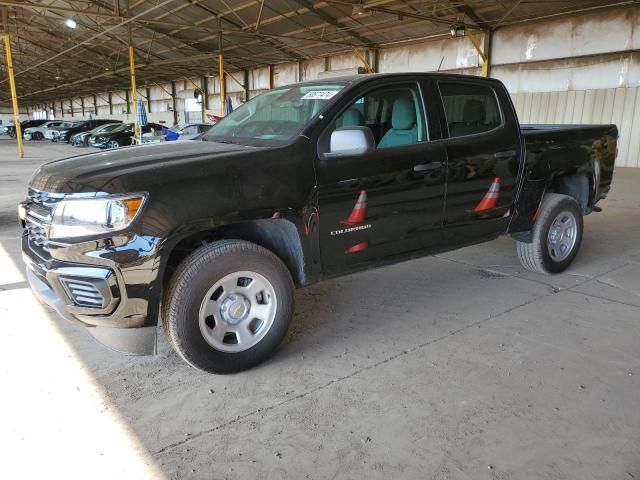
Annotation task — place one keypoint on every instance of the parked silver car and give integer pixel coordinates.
(37, 133)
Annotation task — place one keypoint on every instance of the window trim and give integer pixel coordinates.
(470, 82)
(409, 83)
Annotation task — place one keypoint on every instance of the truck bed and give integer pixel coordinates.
(566, 149)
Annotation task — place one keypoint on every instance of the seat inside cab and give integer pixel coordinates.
(473, 120)
(390, 114)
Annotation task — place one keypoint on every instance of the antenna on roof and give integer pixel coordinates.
(440, 66)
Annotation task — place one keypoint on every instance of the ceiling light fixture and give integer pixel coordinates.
(71, 23)
(458, 30)
(358, 9)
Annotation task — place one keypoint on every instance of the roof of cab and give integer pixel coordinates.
(355, 79)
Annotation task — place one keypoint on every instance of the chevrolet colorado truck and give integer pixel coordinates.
(302, 183)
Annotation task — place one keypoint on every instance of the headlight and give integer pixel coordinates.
(81, 217)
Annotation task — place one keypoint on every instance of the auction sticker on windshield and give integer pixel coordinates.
(319, 94)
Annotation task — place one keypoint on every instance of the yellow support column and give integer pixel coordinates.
(222, 86)
(14, 96)
(223, 93)
(132, 71)
(134, 94)
(368, 67)
(244, 88)
(481, 53)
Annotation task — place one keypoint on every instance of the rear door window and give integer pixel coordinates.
(470, 109)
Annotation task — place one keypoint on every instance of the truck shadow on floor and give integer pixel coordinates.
(340, 327)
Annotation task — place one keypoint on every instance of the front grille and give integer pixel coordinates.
(82, 293)
(39, 213)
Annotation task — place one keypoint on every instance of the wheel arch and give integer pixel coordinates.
(579, 185)
(280, 236)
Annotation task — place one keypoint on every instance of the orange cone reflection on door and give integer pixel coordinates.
(358, 247)
(359, 212)
(358, 215)
(490, 199)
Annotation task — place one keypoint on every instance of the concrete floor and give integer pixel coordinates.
(460, 366)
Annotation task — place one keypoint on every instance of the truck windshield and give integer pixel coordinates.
(273, 118)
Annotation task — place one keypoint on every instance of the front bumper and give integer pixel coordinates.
(93, 295)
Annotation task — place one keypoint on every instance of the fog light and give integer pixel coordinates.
(83, 293)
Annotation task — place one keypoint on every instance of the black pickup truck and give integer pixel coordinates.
(302, 183)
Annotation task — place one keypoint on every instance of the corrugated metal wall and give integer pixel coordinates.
(613, 105)
(579, 69)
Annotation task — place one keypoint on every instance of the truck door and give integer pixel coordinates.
(483, 158)
(387, 202)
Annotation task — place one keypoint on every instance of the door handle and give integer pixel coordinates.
(352, 182)
(504, 154)
(425, 167)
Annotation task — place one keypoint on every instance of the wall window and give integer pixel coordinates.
(470, 109)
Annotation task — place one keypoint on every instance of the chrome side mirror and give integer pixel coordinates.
(350, 141)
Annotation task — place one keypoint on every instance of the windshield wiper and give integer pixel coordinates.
(217, 141)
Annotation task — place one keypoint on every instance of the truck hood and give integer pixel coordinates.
(98, 171)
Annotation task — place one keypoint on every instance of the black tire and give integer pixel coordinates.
(37, 136)
(536, 256)
(191, 284)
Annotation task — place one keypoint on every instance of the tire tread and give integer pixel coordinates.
(181, 281)
(531, 255)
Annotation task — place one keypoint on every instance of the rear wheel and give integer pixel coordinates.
(228, 306)
(113, 144)
(556, 236)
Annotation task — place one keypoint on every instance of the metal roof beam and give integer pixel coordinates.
(364, 42)
(52, 8)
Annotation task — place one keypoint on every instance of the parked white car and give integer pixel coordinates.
(52, 132)
(190, 131)
(38, 133)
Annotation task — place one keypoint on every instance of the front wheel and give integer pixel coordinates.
(557, 235)
(228, 306)
(113, 144)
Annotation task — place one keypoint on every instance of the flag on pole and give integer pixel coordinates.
(141, 120)
(142, 114)
(228, 106)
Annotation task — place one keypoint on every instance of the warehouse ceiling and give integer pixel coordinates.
(174, 39)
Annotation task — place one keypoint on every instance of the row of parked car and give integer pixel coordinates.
(104, 133)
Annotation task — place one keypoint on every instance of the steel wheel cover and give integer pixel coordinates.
(237, 311)
(562, 236)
